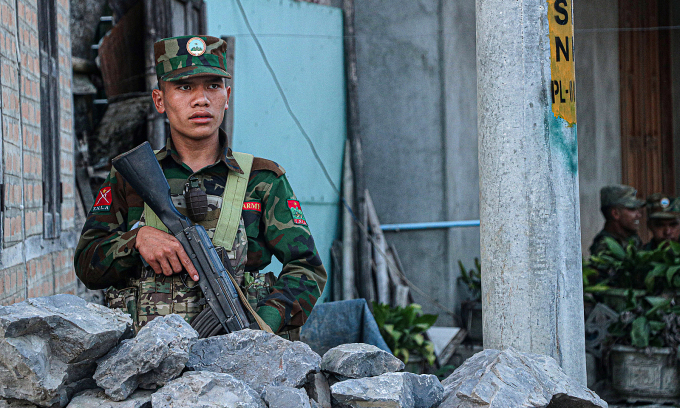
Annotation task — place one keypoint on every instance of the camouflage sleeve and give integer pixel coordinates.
(106, 250)
(303, 277)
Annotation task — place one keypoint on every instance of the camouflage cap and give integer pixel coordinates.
(620, 195)
(659, 207)
(181, 57)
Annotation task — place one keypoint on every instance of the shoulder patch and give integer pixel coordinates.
(103, 200)
(264, 164)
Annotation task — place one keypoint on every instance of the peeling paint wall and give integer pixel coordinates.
(417, 106)
(598, 108)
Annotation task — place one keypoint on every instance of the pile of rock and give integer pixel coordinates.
(61, 351)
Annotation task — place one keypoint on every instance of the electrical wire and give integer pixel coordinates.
(363, 228)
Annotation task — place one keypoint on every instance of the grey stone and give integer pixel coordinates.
(256, 357)
(277, 396)
(357, 360)
(392, 390)
(16, 404)
(427, 390)
(49, 346)
(157, 355)
(319, 390)
(97, 398)
(206, 389)
(499, 379)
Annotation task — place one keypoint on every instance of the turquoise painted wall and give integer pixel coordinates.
(304, 45)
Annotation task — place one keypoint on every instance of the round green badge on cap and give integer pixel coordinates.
(196, 46)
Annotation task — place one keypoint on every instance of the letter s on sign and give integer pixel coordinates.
(559, 7)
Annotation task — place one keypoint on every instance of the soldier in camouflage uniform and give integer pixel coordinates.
(120, 231)
(622, 212)
(662, 220)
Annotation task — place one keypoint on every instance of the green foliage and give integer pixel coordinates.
(472, 279)
(403, 328)
(645, 297)
(626, 267)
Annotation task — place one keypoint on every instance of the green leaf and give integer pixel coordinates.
(419, 339)
(639, 333)
(659, 270)
(428, 319)
(670, 273)
(656, 326)
(657, 303)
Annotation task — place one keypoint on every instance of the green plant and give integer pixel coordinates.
(648, 321)
(625, 267)
(472, 279)
(403, 328)
(645, 292)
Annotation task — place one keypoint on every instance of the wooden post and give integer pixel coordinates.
(348, 241)
(379, 253)
(366, 289)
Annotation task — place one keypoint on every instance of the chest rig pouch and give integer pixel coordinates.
(160, 295)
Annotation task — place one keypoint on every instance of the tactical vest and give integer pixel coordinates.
(151, 295)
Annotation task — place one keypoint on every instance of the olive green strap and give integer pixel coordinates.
(232, 202)
(152, 220)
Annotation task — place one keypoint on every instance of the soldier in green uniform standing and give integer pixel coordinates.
(622, 212)
(662, 220)
(246, 204)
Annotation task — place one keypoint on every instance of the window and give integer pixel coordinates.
(49, 113)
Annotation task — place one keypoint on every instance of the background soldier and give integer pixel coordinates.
(662, 220)
(203, 175)
(622, 212)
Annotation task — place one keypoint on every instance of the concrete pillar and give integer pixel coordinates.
(529, 203)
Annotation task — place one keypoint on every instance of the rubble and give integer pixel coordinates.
(256, 357)
(404, 390)
(389, 390)
(206, 389)
(319, 390)
(97, 398)
(277, 396)
(499, 379)
(49, 346)
(357, 360)
(54, 347)
(16, 404)
(157, 355)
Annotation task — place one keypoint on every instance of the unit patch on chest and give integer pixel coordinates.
(103, 201)
(296, 211)
(252, 206)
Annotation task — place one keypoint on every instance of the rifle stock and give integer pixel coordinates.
(140, 168)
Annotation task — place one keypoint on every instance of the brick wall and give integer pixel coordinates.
(30, 265)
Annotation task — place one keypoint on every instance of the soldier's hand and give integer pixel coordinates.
(163, 252)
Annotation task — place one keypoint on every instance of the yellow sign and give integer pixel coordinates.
(563, 84)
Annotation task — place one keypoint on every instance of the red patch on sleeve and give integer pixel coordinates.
(252, 206)
(103, 201)
(296, 211)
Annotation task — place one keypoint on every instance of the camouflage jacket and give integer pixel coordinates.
(599, 245)
(106, 254)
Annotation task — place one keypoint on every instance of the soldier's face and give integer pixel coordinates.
(628, 218)
(663, 229)
(195, 106)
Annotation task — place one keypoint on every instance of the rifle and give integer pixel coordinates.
(141, 169)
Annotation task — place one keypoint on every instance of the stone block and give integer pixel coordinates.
(277, 396)
(256, 357)
(49, 346)
(97, 398)
(357, 360)
(511, 379)
(206, 389)
(157, 355)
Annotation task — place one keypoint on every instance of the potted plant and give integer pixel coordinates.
(403, 329)
(645, 339)
(472, 308)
